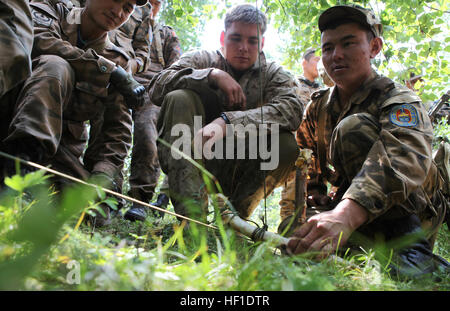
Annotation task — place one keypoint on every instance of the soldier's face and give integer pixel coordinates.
(240, 45)
(110, 14)
(346, 54)
(310, 65)
(156, 6)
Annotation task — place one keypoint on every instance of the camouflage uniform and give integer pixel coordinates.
(380, 148)
(287, 203)
(145, 169)
(16, 36)
(184, 91)
(69, 85)
(135, 36)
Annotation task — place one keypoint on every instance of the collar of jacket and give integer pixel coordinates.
(312, 84)
(373, 82)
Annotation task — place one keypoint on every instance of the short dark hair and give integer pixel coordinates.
(309, 53)
(335, 24)
(246, 13)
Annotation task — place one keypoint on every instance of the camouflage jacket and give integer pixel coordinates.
(280, 102)
(92, 65)
(56, 33)
(305, 88)
(16, 36)
(135, 36)
(398, 169)
(165, 49)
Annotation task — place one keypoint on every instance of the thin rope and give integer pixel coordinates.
(125, 197)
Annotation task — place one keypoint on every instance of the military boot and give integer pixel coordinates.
(136, 212)
(162, 201)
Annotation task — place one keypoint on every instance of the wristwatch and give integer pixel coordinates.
(225, 118)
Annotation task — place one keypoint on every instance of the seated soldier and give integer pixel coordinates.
(235, 85)
(377, 136)
(77, 76)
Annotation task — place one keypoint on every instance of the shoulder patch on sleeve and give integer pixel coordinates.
(404, 115)
(41, 19)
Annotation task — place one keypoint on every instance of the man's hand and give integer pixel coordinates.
(206, 137)
(232, 90)
(133, 92)
(322, 232)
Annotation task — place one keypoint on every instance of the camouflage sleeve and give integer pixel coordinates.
(16, 36)
(399, 161)
(191, 71)
(88, 65)
(281, 104)
(142, 40)
(303, 91)
(171, 46)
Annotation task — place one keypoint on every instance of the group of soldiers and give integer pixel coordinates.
(81, 82)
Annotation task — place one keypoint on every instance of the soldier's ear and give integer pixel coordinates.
(222, 38)
(262, 43)
(375, 46)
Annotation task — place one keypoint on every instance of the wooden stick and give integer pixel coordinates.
(247, 229)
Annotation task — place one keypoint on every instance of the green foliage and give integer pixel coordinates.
(188, 18)
(415, 33)
(161, 254)
(415, 36)
(441, 132)
(30, 225)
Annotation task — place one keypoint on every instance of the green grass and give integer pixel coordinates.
(43, 248)
(159, 255)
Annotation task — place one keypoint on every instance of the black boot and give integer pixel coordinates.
(162, 202)
(414, 259)
(136, 212)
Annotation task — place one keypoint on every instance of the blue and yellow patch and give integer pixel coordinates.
(404, 115)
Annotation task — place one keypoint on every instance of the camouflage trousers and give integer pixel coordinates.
(50, 112)
(242, 180)
(145, 168)
(351, 141)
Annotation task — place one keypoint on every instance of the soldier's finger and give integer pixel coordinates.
(292, 246)
(303, 230)
(243, 100)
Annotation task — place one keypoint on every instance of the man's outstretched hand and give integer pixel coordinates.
(325, 232)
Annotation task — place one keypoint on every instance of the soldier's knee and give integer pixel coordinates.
(182, 99)
(55, 67)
